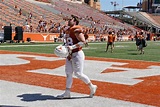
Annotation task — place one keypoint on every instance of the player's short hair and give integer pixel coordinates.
(109, 32)
(76, 19)
(141, 33)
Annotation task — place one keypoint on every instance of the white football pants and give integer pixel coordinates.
(75, 65)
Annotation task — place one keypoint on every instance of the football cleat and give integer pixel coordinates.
(64, 96)
(93, 89)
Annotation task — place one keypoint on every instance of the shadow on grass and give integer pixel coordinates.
(133, 53)
(132, 50)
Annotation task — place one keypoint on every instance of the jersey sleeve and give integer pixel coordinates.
(78, 30)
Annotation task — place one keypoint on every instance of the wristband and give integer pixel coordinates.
(79, 44)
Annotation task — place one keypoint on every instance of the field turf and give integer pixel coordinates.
(122, 50)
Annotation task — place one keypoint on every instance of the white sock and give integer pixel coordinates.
(90, 85)
(67, 90)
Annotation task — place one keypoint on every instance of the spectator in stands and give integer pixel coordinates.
(148, 36)
(20, 12)
(119, 35)
(39, 26)
(27, 26)
(2, 27)
(58, 27)
(97, 35)
(31, 28)
(85, 32)
(30, 17)
(45, 26)
(52, 26)
(93, 24)
(42, 26)
(62, 32)
(15, 6)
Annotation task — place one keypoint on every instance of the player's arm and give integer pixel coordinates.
(80, 36)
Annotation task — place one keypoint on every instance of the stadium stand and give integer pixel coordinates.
(143, 17)
(43, 15)
(10, 9)
(155, 18)
(89, 15)
(46, 1)
(68, 10)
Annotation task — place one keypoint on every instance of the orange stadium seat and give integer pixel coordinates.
(56, 11)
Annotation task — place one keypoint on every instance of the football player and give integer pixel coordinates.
(75, 60)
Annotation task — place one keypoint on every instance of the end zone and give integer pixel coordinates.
(128, 81)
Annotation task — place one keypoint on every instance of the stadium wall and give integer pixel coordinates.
(52, 37)
(38, 36)
(48, 37)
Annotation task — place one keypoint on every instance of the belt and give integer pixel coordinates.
(76, 50)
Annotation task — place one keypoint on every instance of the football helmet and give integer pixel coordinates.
(61, 51)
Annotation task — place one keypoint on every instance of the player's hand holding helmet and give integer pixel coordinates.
(61, 51)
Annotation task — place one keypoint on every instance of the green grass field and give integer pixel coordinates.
(122, 50)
